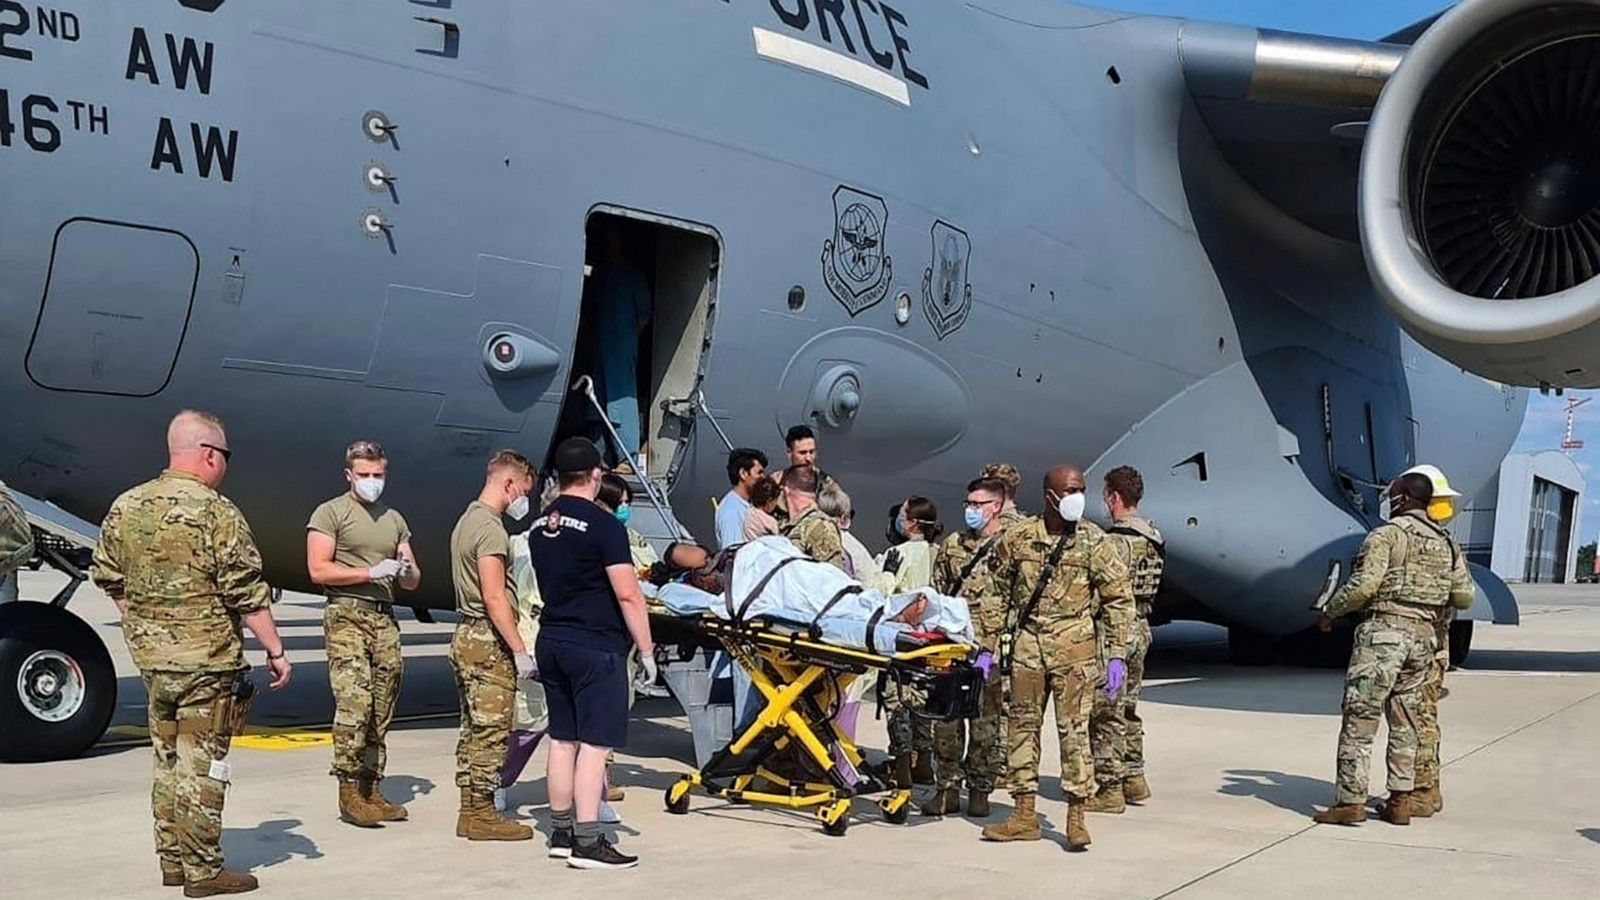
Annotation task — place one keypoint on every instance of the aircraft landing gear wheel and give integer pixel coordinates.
(1460, 641)
(835, 818)
(678, 797)
(1248, 647)
(58, 687)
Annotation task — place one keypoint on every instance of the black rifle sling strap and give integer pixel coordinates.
(1047, 573)
(972, 564)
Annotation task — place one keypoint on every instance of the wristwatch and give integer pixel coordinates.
(279, 656)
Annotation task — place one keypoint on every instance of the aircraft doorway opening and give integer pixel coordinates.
(648, 297)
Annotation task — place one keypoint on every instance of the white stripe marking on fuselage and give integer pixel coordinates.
(795, 52)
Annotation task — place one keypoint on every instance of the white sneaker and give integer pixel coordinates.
(608, 816)
(499, 799)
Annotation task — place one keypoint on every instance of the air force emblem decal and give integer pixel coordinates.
(946, 292)
(854, 265)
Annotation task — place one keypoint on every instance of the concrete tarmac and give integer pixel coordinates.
(1238, 760)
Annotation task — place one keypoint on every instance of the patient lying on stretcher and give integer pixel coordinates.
(769, 578)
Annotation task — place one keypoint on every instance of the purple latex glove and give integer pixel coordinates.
(985, 664)
(1116, 677)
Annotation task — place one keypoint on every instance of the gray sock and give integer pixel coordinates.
(561, 819)
(586, 834)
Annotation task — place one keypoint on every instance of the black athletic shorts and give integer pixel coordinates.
(585, 692)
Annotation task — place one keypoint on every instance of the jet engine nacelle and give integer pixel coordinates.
(1480, 190)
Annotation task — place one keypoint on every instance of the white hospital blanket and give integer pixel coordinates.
(799, 590)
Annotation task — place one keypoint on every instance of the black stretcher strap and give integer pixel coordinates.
(756, 591)
(872, 627)
(846, 591)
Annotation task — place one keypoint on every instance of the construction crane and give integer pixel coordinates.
(1568, 442)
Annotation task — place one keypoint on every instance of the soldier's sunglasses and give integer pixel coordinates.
(227, 455)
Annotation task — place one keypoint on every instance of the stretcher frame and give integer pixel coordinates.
(802, 683)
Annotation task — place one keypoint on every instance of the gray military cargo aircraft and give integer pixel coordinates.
(1261, 267)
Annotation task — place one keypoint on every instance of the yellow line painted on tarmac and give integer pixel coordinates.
(256, 737)
(282, 739)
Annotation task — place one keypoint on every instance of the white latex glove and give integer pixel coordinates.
(648, 670)
(389, 568)
(526, 669)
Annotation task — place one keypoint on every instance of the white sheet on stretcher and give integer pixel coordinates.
(799, 590)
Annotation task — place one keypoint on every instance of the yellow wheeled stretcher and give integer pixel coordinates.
(793, 756)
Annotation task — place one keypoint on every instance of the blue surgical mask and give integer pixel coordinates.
(976, 519)
(624, 513)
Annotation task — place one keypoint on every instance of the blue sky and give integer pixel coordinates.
(1369, 19)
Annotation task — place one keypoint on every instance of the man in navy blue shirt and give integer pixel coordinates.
(593, 611)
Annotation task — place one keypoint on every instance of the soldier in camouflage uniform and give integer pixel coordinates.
(1084, 608)
(487, 651)
(1427, 797)
(180, 562)
(963, 568)
(816, 535)
(1407, 571)
(1115, 729)
(359, 550)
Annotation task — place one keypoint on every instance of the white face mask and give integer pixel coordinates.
(1386, 508)
(1070, 506)
(518, 510)
(369, 489)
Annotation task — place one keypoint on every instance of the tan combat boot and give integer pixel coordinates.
(1077, 828)
(373, 794)
(1422, 802)
(356, 810)
(469, 805)
(1397, 809)
(943, 802)
(977, 804)
(1343, 814)
(224, 882)
(484, 824)
(1135, 789)
(922, 772)
(1108, 800)
(1021, 825)
(171, 875)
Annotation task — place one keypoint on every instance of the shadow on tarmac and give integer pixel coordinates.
(267, 845)
(1295, 793)
(403, 789)
(1533, 661)
(1592, 834)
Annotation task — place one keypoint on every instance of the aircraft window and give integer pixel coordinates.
(1114, 75)
(797, 298)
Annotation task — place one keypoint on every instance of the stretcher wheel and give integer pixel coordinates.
(678, 797)
(835, 818)
(896, 807)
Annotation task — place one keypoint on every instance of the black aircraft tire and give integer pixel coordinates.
(1248, 647)
(60, 706)
(1460, 641)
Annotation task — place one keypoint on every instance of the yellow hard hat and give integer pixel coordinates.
(1443, 507)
